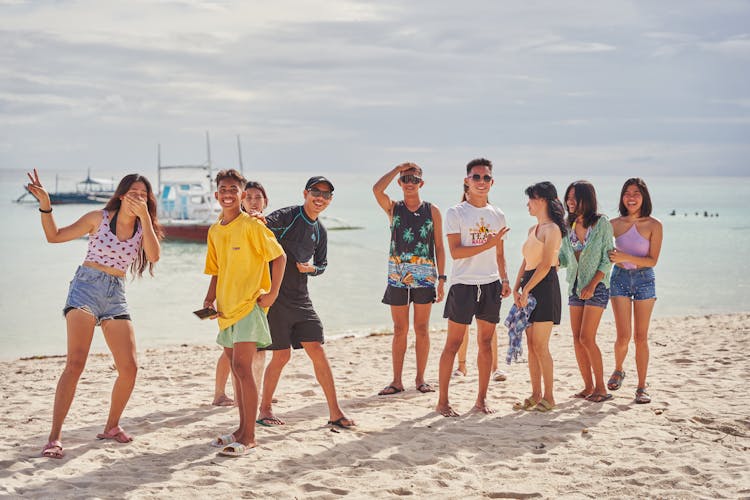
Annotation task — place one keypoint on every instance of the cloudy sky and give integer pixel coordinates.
(639, 87)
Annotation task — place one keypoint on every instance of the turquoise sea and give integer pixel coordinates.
(704, 266)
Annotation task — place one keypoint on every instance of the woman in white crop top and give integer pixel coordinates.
(124, 235)
(537, 277)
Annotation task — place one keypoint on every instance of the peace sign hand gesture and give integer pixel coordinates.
(35, 187)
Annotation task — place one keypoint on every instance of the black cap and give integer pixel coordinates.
(317, 179)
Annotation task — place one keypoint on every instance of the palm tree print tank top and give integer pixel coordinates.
(412, 256)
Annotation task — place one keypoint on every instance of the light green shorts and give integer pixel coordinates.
(251, 328)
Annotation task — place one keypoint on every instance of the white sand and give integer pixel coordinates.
(691, 442)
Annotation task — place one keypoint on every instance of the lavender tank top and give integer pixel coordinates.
(631, 242)
(107, 250)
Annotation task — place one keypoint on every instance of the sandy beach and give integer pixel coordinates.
(690, 442)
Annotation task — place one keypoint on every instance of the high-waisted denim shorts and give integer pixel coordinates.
(599, 299)
(637, 284)
(97, 293)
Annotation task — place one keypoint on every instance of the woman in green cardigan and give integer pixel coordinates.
(585, 254)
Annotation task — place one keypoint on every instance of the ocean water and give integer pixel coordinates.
(703, 268)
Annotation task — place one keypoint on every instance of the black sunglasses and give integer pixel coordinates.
(317, 193)
(410, 179)
(485, 178)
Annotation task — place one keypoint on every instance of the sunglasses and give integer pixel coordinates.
(410, 179)
(477, 178)
(317, 193)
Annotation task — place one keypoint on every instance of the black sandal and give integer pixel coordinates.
(615, 381)
(641, 396)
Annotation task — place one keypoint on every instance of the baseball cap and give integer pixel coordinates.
(317, 179)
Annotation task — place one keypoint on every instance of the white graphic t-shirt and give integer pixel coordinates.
(474, 225)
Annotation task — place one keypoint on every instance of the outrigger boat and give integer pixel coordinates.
(186, 204)
(89, 190)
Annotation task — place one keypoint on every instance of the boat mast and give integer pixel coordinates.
(158, 167)
(239, 153)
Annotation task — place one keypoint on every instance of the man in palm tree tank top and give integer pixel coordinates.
(416, 265)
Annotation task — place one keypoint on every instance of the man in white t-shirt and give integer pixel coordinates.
(479, 279)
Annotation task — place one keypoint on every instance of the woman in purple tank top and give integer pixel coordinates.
(638, 238)
(125, 234)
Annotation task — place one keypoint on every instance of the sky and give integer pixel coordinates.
(635, 88)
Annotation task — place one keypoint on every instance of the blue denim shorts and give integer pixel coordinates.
(599, 299)
(97, 293)
(637, 284)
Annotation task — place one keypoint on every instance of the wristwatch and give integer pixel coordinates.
(442, 277)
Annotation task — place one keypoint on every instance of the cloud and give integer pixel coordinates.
(335, 81)
(575, 48)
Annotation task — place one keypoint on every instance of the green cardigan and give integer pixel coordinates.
(593, 258)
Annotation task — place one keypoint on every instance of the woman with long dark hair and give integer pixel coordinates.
(638, 238)
(585, 254)
(124, 235)
(537, 277)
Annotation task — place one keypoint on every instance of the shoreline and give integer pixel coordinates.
(692, 441)
(607, 321)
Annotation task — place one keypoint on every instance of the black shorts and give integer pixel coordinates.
(398, 296)
(290, 326)
(547, 295)
(466, 301)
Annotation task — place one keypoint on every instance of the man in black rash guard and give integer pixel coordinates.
(293, 320)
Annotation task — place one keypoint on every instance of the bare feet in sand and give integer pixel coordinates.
(223, 400)
(446, 410)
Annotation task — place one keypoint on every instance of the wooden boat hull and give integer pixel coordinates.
(195, 233)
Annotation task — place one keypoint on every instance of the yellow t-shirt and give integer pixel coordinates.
(238, 254)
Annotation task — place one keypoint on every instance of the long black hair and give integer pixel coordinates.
(546, 190)
(114, 203)
(641, 185)
(585, 195)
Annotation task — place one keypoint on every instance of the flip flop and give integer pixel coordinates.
(615, 381)
(528, 405)
(269, 421)
(499, 376)
(641, 396)
(235, 450)
(599, 398)
(389, 390)
(53, 449)
(424, 388)
(117, 433)
(544, 406)
(341, 423)
(458, 373)
(222, 441)
(581, 395)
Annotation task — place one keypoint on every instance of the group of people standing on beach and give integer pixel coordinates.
(573, 235)
(259, 266)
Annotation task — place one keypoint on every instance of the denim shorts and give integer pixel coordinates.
(599, 299)
(637, 284)
(97, 293)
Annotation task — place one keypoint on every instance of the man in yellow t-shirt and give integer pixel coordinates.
(239, 250)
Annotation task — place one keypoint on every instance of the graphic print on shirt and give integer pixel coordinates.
(411, 262)
(479, 232)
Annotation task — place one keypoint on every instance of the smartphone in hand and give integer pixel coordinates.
(206, 312)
